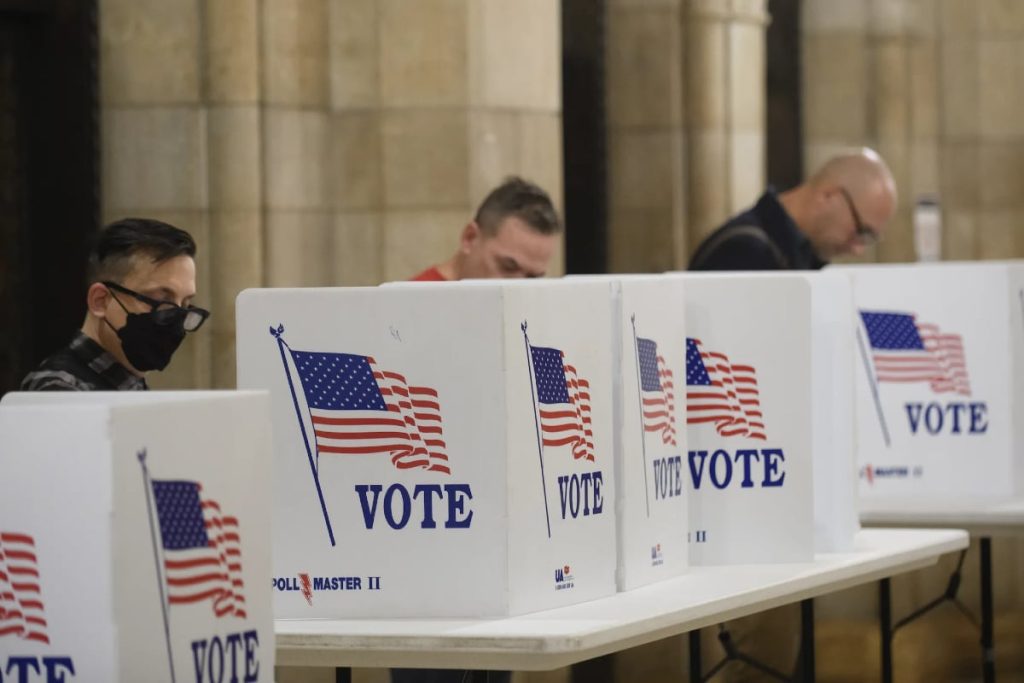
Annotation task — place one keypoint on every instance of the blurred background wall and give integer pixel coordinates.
(320, 142)
(346, 142)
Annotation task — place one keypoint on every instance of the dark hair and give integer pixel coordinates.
(522, 199)
(116, 246)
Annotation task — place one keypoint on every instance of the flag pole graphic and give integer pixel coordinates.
(640, 404)
(874, 387)
(141, 455)
(313, 466)
(536, 422)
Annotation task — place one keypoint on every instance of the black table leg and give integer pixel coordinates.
(988, 655)
(343, 675)
(807, 668)
(885, 626)
(696, 668)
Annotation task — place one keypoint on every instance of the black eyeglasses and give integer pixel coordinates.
(167, 312)
(865, 233)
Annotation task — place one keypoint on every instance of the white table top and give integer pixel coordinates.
(978, 517)
(558, 637)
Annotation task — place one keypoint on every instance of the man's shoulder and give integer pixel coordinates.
(66, 370)
(53, 380)
(62, 371)
(738, 246)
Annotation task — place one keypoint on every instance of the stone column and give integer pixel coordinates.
(154, 139)
(232, 73)
(725, 75)
(355, 187)
(991, 40)
(871, 78)
(646, 137)
(933, 85)
(903, 114)
(295, 95)
(469, 92)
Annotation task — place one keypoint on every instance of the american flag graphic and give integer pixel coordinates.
(358, 409)
(564, 399)
(906, 350)
(21, 597)
(722, 392)
(657, 391)
(202, 549)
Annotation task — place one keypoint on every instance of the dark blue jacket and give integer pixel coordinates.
(763, 237)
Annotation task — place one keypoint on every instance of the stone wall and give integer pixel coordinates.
(320, 142)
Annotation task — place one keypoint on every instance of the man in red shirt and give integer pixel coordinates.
(514, 234)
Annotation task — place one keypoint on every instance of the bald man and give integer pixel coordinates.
(841, 210)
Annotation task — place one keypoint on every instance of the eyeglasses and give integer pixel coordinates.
(865, 233)
(191, 318)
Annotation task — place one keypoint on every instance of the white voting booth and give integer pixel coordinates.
(749, 415)
(833, 434)
(648, 341)
(940, 379)
(135, 540)
(439, 450)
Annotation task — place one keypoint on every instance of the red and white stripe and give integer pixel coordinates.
(659, 407)
(570, 423)
(410, 432)
(21, 597)
(732, 401)
(942, 363)
(212, 573)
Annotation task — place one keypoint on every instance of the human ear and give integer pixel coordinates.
(470, 235)
(97, 299)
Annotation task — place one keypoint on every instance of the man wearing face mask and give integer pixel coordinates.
(142, 278)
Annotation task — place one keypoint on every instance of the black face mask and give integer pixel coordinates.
(150, 339)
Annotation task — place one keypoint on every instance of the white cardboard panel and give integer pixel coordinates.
(84, 497)
(749, 454)
(465, 343)
(938, 379)
(651, 507)
(45, 469)
(1016, 273)
(834, 438)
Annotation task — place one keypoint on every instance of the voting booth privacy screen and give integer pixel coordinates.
(135, 541)
(749, 417)
(833, 433)
(940, 379)
(439, 449)
(648, 339)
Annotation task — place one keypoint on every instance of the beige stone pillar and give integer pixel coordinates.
(960, 94)
(154, 140)
(295, 142)
(232, 84)
(355, 188)
(646, 137)
(432, 104)
(725, 76)
(870, 78)
(934, 86)
(686, 109)
(999, 126)
(903, 113)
